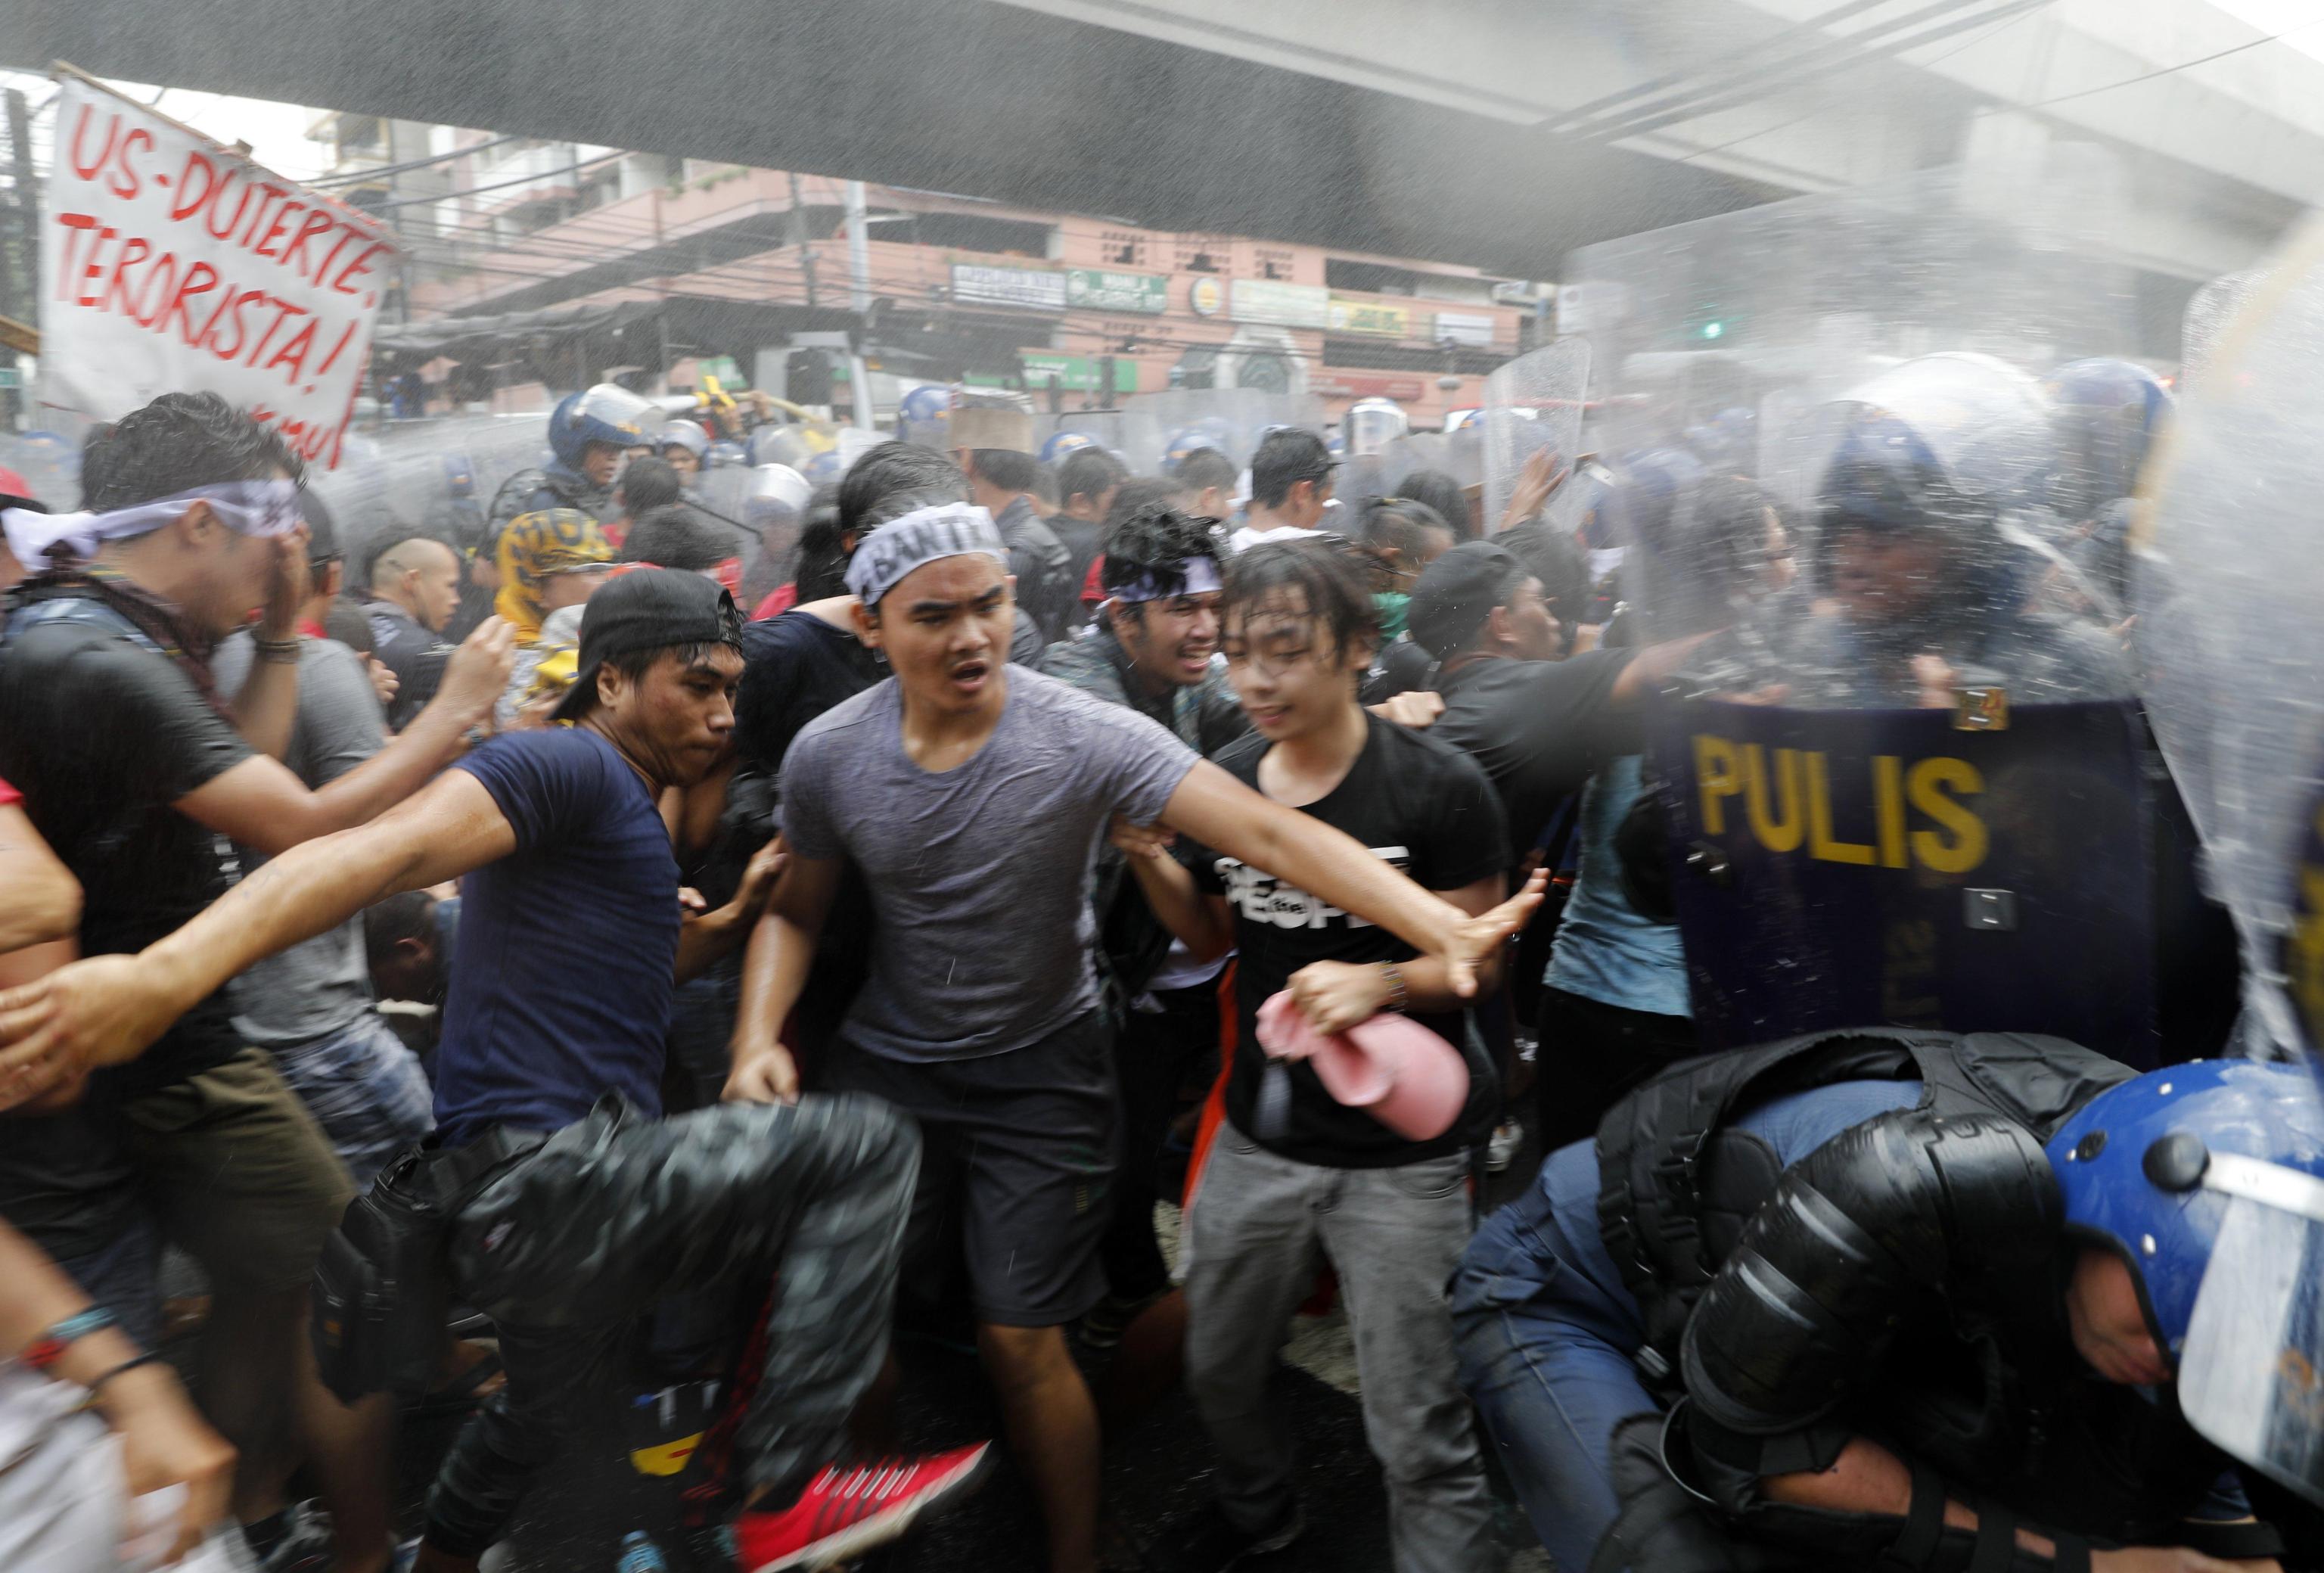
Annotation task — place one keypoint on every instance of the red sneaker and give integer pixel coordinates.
(841, 1514)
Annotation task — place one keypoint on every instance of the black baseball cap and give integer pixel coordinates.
(646, 608)
(1456, 593)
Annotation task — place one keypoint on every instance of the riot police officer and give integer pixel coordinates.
(1883, 1298)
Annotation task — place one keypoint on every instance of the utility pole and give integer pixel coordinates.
(798, 237)
(859, 300)
(20, 251)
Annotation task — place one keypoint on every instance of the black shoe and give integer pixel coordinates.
(1206, 1542)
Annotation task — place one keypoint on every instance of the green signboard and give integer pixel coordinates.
(1101, 290)
(1078, 374)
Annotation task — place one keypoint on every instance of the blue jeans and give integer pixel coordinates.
(1545, 1332)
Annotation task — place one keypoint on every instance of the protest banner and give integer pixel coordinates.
(171, 263)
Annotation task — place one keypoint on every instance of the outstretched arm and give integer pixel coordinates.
(107, 1009)
(1220, 812)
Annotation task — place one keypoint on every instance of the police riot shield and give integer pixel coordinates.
(1903, 776)
(1232, 420)
(2227, 574)
(435, 476)
(1133, 434)
(1533, 403)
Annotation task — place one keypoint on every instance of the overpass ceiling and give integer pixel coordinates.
(965, 95)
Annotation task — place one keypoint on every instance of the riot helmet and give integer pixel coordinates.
(2206, 1179)
(606, 413)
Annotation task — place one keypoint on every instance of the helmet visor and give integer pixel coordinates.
(2251, 1373)
(618, 407)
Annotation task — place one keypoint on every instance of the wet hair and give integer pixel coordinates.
(1144, 491)
(1090, 472)
(1441, 493)
(649, 483)
(177, 442)
(1402, 524)
(634, 664)
(1006, 468)
(819, 560)
(891, 467)
(1205, 467)
(389, 922)
(1334, 585)
(678, 536)
(1153, 540)
(1045, 483)
(1284, 459)
(1551, 557)
(322, 531)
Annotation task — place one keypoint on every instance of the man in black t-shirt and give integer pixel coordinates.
(1295, 1177)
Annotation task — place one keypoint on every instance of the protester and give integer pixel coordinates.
(311, 1007)
(415, 588)
(548, 561)
(1208, 479)
(1444, 497)
(195, 526)
(999, 1052)
(1151, 651)
(994, 449)
(646, 483)
(1290, 483)
(676, 535)
(1088, 482)
(1403, 539)
(576, 1210)
(69, 1503)
(1295, 1178)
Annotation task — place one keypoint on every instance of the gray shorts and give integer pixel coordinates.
(1017, 1167)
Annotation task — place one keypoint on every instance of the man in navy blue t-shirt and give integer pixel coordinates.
(591, 1207)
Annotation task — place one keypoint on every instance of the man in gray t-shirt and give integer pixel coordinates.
(985, 864)
(972, 795)
(311, 1007)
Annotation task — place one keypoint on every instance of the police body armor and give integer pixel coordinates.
(1902, 1282)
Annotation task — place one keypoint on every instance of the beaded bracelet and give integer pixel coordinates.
(1394, 975)
(49, 1347)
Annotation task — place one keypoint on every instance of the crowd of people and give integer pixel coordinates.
(431, 952)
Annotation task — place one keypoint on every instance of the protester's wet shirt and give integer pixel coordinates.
(562, 971)
(980, 875)
(1420, 806)
(795, 667)
(1538, 728)
(102, 735)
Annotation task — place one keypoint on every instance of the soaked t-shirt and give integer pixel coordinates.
(1420, 806)
(979, 876)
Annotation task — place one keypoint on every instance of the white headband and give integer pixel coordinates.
(265, 508)
(921, 537)
(1202, 578)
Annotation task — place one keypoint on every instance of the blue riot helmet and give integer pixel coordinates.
(1371, 424)
(459, 476)
(1062, 445)
(924, 415)
(927, 402)
(606, 413)
(1724, 442)
(823, 468)
(2208, 1180)
(2107, 413)
(690, 436)
(726, 452)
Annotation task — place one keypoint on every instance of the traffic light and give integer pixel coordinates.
(807, 377)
